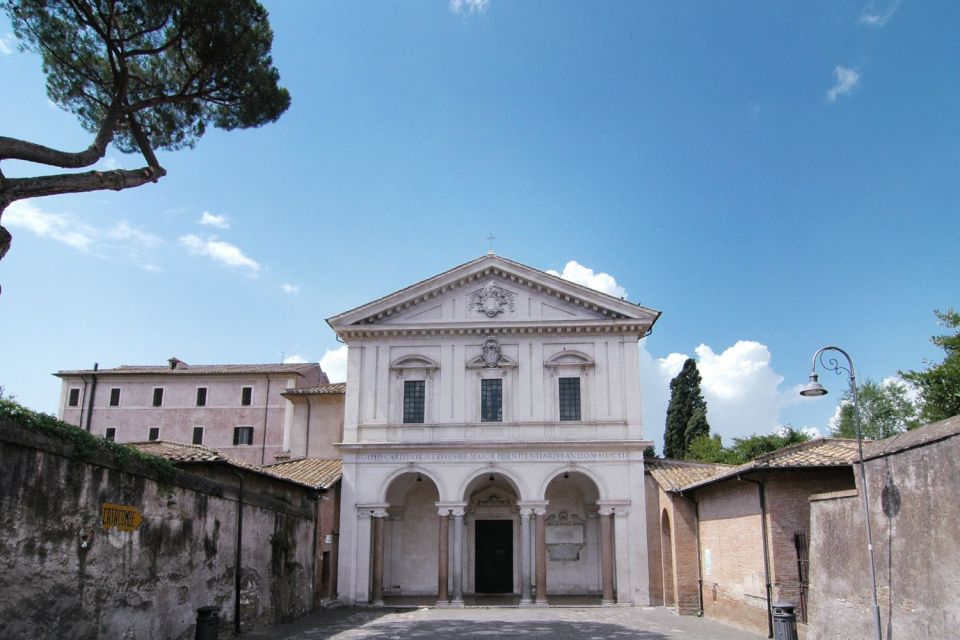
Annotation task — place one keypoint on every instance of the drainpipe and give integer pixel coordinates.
(93, 393)
(306, 450)
(238, 555)
(696, 523)
(766, 550)
(266, 408)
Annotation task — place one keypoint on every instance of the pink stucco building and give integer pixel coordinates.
(237, 409)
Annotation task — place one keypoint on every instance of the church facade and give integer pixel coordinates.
(492, 441)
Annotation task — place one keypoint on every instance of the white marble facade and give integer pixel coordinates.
(446, 500)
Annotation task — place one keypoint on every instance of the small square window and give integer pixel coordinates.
(569, 399)
(242, 435)
(201, 397)
(413, 401)
(74, 398)
(491, 400)
(154, 434)
(246, 396)
(198, 435)
(111, 434)
(115, 397)
(158, 396)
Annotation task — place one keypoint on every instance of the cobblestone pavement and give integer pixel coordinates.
(634, 623)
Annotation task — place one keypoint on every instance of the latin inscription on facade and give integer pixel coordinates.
(502, 456)
(120, 517)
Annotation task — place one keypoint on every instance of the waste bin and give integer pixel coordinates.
(784, 621)
(208, 623)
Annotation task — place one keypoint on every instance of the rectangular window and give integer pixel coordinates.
(242, 435)
(154, 434)
(111, 434)
(413, 401)
(201, 396)
(246, 396)
(569, 398)
(491, 400)
(115, 397)
(158, 396)
(74, 398)
(198, 435)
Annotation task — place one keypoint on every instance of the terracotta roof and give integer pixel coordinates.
(188, 453)
(315, 472)
(919, 437)
(195, 369)
(673, 475)
(335, 388)
(820, 452)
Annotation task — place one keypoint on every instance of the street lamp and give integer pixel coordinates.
(814, 389)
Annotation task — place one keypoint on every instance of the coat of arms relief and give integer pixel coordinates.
(492, 300)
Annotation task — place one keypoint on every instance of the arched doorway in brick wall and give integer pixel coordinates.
(666, 547)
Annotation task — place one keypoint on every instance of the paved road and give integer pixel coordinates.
(639, 623)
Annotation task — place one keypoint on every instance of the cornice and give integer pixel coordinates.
(525, 445)
(590, 327)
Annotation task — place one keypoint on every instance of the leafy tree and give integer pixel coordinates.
(649, 452)
(885, 410)
(686, 413)
(710, 448)
(143, 75)
(939, 384)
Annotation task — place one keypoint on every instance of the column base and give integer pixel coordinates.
(541, 603)
(526, 604)
(376, 603)
(608, 603)
(454, 604)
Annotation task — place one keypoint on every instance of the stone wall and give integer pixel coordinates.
(914, 513)
(64, 575)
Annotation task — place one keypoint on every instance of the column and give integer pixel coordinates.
(379, 515)
(525, 559)
(541, 554)
(443, 558)
(457, 556)
(606, 555)
(621, 553)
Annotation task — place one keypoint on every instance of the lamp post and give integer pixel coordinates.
(815, 389)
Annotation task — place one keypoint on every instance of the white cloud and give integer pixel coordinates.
(6, 44)
(294, 359)
(603, 282)
(290, 288)
(152, 268)
(334, 364)
(126, 233)
(877, 14)
(61, 227)
(847, 79)
(468, 7)
(739, 384)
(220, 251)
(219, 221)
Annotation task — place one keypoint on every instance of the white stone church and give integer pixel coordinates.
(492, 441)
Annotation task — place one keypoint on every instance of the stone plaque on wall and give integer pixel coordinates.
(563, 551)
(564, 534)
(565, 537)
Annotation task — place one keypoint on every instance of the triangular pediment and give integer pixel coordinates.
(493, 291)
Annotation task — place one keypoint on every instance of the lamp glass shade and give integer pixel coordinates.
(813, 388)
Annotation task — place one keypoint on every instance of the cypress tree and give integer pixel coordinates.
(687, 412)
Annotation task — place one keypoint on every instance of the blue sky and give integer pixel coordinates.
(774, 177)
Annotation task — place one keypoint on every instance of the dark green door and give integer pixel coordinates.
(494, 556)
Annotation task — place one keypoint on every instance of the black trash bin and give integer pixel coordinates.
(208, 623)
(784, 621)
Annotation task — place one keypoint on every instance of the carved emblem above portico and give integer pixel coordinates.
(492, 300)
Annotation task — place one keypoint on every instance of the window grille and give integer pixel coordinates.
(491, 400)
(569, 399)
(413, 401)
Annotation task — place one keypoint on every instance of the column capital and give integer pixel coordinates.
(458, 512)
(538, 507)
(375, 509)
(526, 512)
(619, 508)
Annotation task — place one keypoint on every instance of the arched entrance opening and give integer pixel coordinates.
(573, 549)
(666, 548)
(411, 537)
(492, 536)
